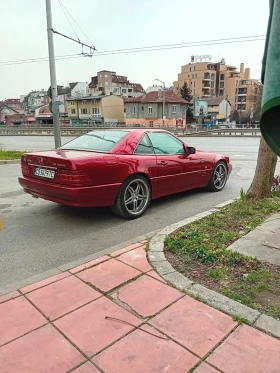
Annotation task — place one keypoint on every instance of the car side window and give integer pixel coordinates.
(164, 143)
(144, 146)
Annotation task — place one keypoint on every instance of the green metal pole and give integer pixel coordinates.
(270, 112)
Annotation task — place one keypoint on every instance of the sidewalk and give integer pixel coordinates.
(115, 314)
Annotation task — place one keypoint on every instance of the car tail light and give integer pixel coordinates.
(76, 178)
(24, 166)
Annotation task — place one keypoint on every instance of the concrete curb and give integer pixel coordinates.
(14, 161)
(164, 268)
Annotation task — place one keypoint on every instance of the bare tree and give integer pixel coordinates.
(265, 170)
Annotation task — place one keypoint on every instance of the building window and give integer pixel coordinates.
(183, 110)
(194, 68)
(194, 84)
(196, 75)
(72, 103)
(212, 84)
(134, 110)
(123, 90)
(94, 101)
(174, 109)
(212, 92)
(212, 76)
(222, 77)
(73, 111)
(192, 75)
(129, 90)
(222, 84)
(150, 110)
(95, 110)
(106, 76)
(84, 102)
(83, 111)
(221, 92)
(190, 68)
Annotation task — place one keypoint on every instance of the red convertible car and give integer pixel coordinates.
(121, 168)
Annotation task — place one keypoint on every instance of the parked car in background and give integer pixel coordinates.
(121, 168)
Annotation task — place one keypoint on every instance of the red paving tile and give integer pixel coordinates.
(194, 324)
(137, 259)
(90, 331)
(44, 350)
(140, 352)
(13, 295)
(18, 317)
(89, 264)
(63, 296)
(148, 296)
(247, 350)
(156, 276)
(125, 249)
(45, 282)
(108, 275)
(86, 368)
(205, 368)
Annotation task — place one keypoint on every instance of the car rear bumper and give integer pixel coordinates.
(89, 196)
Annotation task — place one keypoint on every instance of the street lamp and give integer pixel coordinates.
(163, 101)
(226, 105)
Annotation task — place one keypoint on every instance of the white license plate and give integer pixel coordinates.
(42, 172)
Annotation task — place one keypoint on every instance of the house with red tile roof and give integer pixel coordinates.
(156, 109)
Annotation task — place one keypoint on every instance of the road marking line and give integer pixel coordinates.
(239, 155)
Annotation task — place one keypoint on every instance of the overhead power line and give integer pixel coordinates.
(66, 10)
(243, 39)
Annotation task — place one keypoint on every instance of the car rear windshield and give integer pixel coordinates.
(99, 141)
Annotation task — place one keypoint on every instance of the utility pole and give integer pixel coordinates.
(163, 101)
(56, 123)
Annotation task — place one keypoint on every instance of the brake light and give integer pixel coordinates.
(74, 177)
(24, 166)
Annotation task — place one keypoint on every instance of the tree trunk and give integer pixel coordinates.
(266, 164)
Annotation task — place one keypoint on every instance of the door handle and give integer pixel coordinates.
(162, 163)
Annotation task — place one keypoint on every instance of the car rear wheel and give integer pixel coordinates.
(218, 178)
(134, 198)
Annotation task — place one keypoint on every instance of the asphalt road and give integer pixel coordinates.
(235, 146)
(40, 235)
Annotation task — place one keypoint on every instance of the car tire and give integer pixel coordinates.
(133, 198)
(218, 178)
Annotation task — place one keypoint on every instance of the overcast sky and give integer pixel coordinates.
(120, 24)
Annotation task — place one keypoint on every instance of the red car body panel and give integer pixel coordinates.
(105, 172)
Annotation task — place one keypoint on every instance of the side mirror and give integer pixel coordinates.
(189, 149)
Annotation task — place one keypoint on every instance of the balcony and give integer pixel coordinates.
(206, 86)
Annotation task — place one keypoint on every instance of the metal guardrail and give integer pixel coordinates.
(76, 131)
(65, 131)
(226, 132)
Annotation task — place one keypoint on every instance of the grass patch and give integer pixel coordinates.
(240, 319)
(10, 154)
(199, 250)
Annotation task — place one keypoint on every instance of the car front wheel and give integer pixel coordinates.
(134, 198)
(218, 178)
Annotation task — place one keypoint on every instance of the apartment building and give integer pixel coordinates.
(208, 79)
(108, 82)
(105, 109)
(33, 100)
